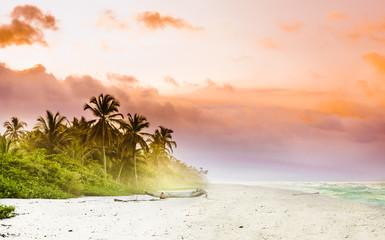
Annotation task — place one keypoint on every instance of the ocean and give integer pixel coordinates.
(364, 192)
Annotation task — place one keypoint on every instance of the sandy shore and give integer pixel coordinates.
(229, 212)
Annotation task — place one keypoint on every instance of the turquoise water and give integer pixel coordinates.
(365, 192)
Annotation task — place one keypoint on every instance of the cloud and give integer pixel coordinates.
(154, 20)
(321, 121)
(121, 78)
(337, 15)
(372, 29)
(291, 27)
(213, 85)
(28, 93)
(307, 118)
(33, 14)
(228, 87)
(191, 85)
(268, 43)
(109, 21)
(330, 125)
(343, 108)
(215, 127)
(171, 81)
(26, 27)
(376, 60)
(369, 89)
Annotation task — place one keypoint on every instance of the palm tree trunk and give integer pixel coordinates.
(136, 174)
(105, 161)
(120, 171)
(104, 155)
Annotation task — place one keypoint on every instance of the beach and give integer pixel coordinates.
(229, 211)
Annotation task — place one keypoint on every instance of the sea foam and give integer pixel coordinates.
(364, 192)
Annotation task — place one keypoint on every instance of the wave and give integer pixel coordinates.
(364, 192)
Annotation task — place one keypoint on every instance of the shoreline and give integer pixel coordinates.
(231, 211)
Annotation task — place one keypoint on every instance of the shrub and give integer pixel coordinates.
(51, 176)
(6, 211)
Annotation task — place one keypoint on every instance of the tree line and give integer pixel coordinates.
(119, 147)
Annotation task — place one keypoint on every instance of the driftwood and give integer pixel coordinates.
(135, 200)
(164, 195)
(297, 194)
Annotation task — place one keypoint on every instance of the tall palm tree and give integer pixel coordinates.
(14, 128)
(133, 136)
(161, 142)
(105, 109)
(51, 131)
(163, 138)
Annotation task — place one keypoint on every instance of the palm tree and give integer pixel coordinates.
(163, 139)
(121, 150)
(5, 145)
(105, 108)
(134, 136)
(80, 129)
(76, 150)
(14, 128)
(51, 131)
(79, 148)
(161, 142)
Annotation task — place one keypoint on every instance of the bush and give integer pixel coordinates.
(6, 211)
(52, 176)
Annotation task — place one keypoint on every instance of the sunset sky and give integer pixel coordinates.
(254, 90)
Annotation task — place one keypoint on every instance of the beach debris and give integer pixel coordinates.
(4, 235)
(298, 194)
(136, 200)
(165, 195)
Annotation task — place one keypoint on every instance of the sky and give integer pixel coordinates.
(254, 90)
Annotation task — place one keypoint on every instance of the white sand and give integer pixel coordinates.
(229, 212)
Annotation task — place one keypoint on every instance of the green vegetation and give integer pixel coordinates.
(52, 176)
(104, 156)
(6, 211)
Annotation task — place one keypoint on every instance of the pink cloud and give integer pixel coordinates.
(337, 15)
(213, 85)
(376, 60)
(275, 129)
(110, 21)
(26, 27)
(171, 81)
(372, 29)
(268, 43)
(122, 78)
(291, 27)
(154, 20)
